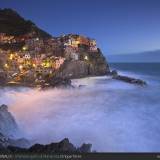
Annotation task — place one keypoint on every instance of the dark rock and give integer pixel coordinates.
(130, 80)
(59, 147)
(3, 78)
(63, 146)
(74, 69)
(5, 142)
(81, 86)
(113, 73)
(95, 66)
(66, 146)
(9, 130)
(8, 124)
(98, 65)
(85, 148)
(3, 149)
(59, 82)
(21, 142)
(14, 149)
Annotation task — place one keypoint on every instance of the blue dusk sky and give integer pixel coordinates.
(119, 26)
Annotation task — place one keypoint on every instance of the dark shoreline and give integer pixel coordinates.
(66, 83)
(10, 144)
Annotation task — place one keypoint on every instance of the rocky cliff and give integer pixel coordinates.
(10, 144)
(9, 130)
(63, 146)
(95, 65)
(6, 142)
(8, 124)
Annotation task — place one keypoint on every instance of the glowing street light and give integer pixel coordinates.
(20, 67)
(34, 65)
(6, 65)
(24, 48)
(11, 56)
(86, 57)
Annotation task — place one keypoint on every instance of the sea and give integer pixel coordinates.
(112, 115)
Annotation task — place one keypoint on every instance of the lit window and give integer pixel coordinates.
(11, 56)
(86, 57)
(6, 65)
(20, 67)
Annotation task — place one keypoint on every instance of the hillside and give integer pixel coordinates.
(12, 23)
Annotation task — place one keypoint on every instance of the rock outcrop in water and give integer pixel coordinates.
(62, 146)
(6, 141)
(8, 124)
(9, 130)
(131, 80)
(14, 146)
(9, 144)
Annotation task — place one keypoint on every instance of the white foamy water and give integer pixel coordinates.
(112, 115)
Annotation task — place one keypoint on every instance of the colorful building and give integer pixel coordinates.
(58, 62)
(93, 45)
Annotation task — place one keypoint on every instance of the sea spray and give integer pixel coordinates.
(112, 115)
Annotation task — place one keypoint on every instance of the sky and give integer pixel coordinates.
(119, 26)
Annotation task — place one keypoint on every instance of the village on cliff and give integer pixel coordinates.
(41, 57)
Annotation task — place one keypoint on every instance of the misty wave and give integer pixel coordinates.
(112, 115)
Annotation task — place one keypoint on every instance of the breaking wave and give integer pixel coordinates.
(109, 114)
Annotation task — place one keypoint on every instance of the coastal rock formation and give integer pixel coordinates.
(59, 82)
(85, 148)
(95, 65)
(20, 142)
(63, 146)
(131, 80)
(6, 141)
(10, 144)
(74, 69)
(8, 124)
(3, 78)
(9, 130)
(3, 141)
